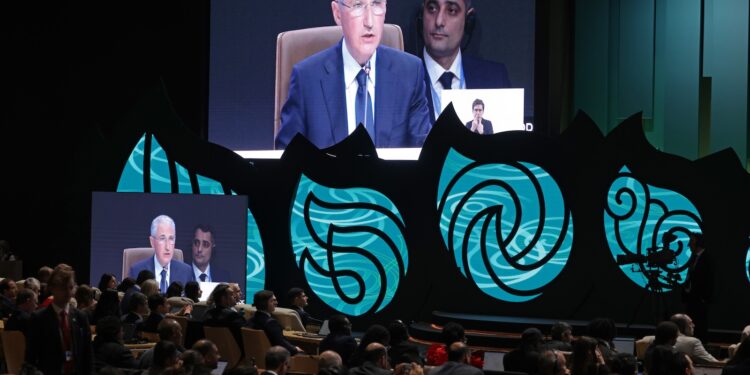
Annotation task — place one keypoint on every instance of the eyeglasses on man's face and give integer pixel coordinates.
(357, 7)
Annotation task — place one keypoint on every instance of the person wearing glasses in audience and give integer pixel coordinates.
(357, 81)
(162, 265)
(204, 244)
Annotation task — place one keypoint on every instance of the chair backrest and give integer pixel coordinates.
(151, 336)
(256, 345)
(247, 310)
(641, 346)
(289, 319)
(183, 321)
(134, 254)
(296, 45)
(225, 342)
(14, 347)
(304, 364)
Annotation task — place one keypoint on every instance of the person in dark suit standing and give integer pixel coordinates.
(203, 250)
(459, 356)
(698, 289)
(59, 340)
(297, 302)
(26, 304)
(357, 81)
(164, 268)
(479, 124)
(265, 302)
(445, 25)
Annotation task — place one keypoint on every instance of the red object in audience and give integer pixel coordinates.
(45, 303)
(437, 355)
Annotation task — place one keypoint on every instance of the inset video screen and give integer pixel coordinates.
(242, 73)
(193, 237)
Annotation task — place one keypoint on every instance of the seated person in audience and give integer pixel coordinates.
(108, 305)
(740, 362)
(8, 290)
(459, 356)
(174, 289)
(330, 361)
(43, 276)
(437, 354)
(375, 333)
(33, 284)
(159, 307)
(666, 335)
(526, 357)
(553, 362)
(339, 339)
(138, 311)
(688, 344)
(265, 303)
(107, 281)
(604, 331)
(561, 335)
(223, 315)
(19, 320)
(169, 330)
(209, 352)
(401, 350)
(587, 358)
(193, 291)
(664, 360)
(297, 302)
(375, 361)
(236, 292)
(85, 299)
(277, 361)
(150, 287)
(165, 356)
(191, 362)
(127, 287)
(108, 347)
(623, 364)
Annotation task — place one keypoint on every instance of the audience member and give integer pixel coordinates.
(265, 304)
(339, 339)
(174, 289)
(297, 302)
(165, 355)
(277, 361)
(169, 330)
(688, 344)
(526, 357)
(159, 307)
(43, 276)
(375, 361)
(459, 357)
(26, 304)
(108, 305)
(108, 347)
(192, 363)
(193, 291)
(127, 287)
(375, 333)
(330, 360)
(666, 335)
(739, 364)
(137, 311)
(85, 299)
(623, 364)
(552, 362)
(149, 287)
(107, 281)
(209, 352)
(8, 290)
(604, 331)
(222, 314)
(561, 334)
(401, 350)
(666, 361)
(587, 358)
(33, 284)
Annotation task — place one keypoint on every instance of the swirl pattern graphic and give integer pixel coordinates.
(636, 218)
(506, 225)
(350, 244)
(747, 265)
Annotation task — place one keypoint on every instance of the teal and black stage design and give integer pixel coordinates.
(476, 225)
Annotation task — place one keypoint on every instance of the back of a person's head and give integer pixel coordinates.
(43, 274)
(743, 352)
(108, 329)
(666, 361)
(143, 276)
(558, 329)
(217, 296)
(191, 358)
(24, 295)
(126, 284)
(203, 346)
(329, 358)
(622, 364)
(374, 353)
(261, 298)
(242, 370)
(339, 325)
(531, 339)
(149, 287)
(109, 304)
(84, 295)
(451, 333)
(32, 283)
(164, 353)
(398, 331)
(681, 320)
(584, 356)
(457, 351)
(192, 290)
(666, 333)
(548, 363)
(276, 356)
(137, 300)
(167, 329)
(292, 294)
(376, 333)
(155, 300)
(61, 276)
(602, 329)
(174, 289)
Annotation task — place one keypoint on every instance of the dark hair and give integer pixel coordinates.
(477, 102)
(531, 340)
(681, 321)
(451, 333)
(109, 305)
(84, 294)
(5, 284)
(398, 331)
(163, 351)
(137, 299)
(376, 333)
(375, 355)
(108, 329)
(203, 346)
(666, 332)
(192, 290)
(292, 294)
(275, 357)
(339, 325)
(622, 363)
(548, 363)
(174, 289)
(220, 291)
(205, 228)
(261, 298)
(558, 329)
(104, 280)
(155, 300)
(456, 354)
(603, 329)
(584, 356)
(125, 284)
(742, 354)
(166, 328)
(664, 360)
(25, 295)
(143, 276)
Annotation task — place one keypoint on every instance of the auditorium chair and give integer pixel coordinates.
(304, 364)
(132, 255)
(225, 342)
(289, 319)
(14, 348)
(256, 345)
(295, 45)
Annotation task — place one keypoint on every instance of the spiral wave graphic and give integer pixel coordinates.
(506, 225)
(350, 244)
(636, 218)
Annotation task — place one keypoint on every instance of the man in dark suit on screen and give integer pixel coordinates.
(59, 340)
(445, 23)
(204, 247)
(162, 265)
(357, 81)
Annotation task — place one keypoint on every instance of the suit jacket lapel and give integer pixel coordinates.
(333, 86)
(385, 102)
(428, 92)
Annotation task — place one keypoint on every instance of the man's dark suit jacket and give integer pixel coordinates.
(7, 307)
(218, 275)
(19, 321)
(487, 126)
(456, 368)
(304, 316)
(404, 352)
(521, 361)
(44, 348)
(272, 328)
(478, 74)
(368, 368)
(316, 106)
(151, 324)
(178, 271)
(113, 354)
(344, 345)
(226, 317)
